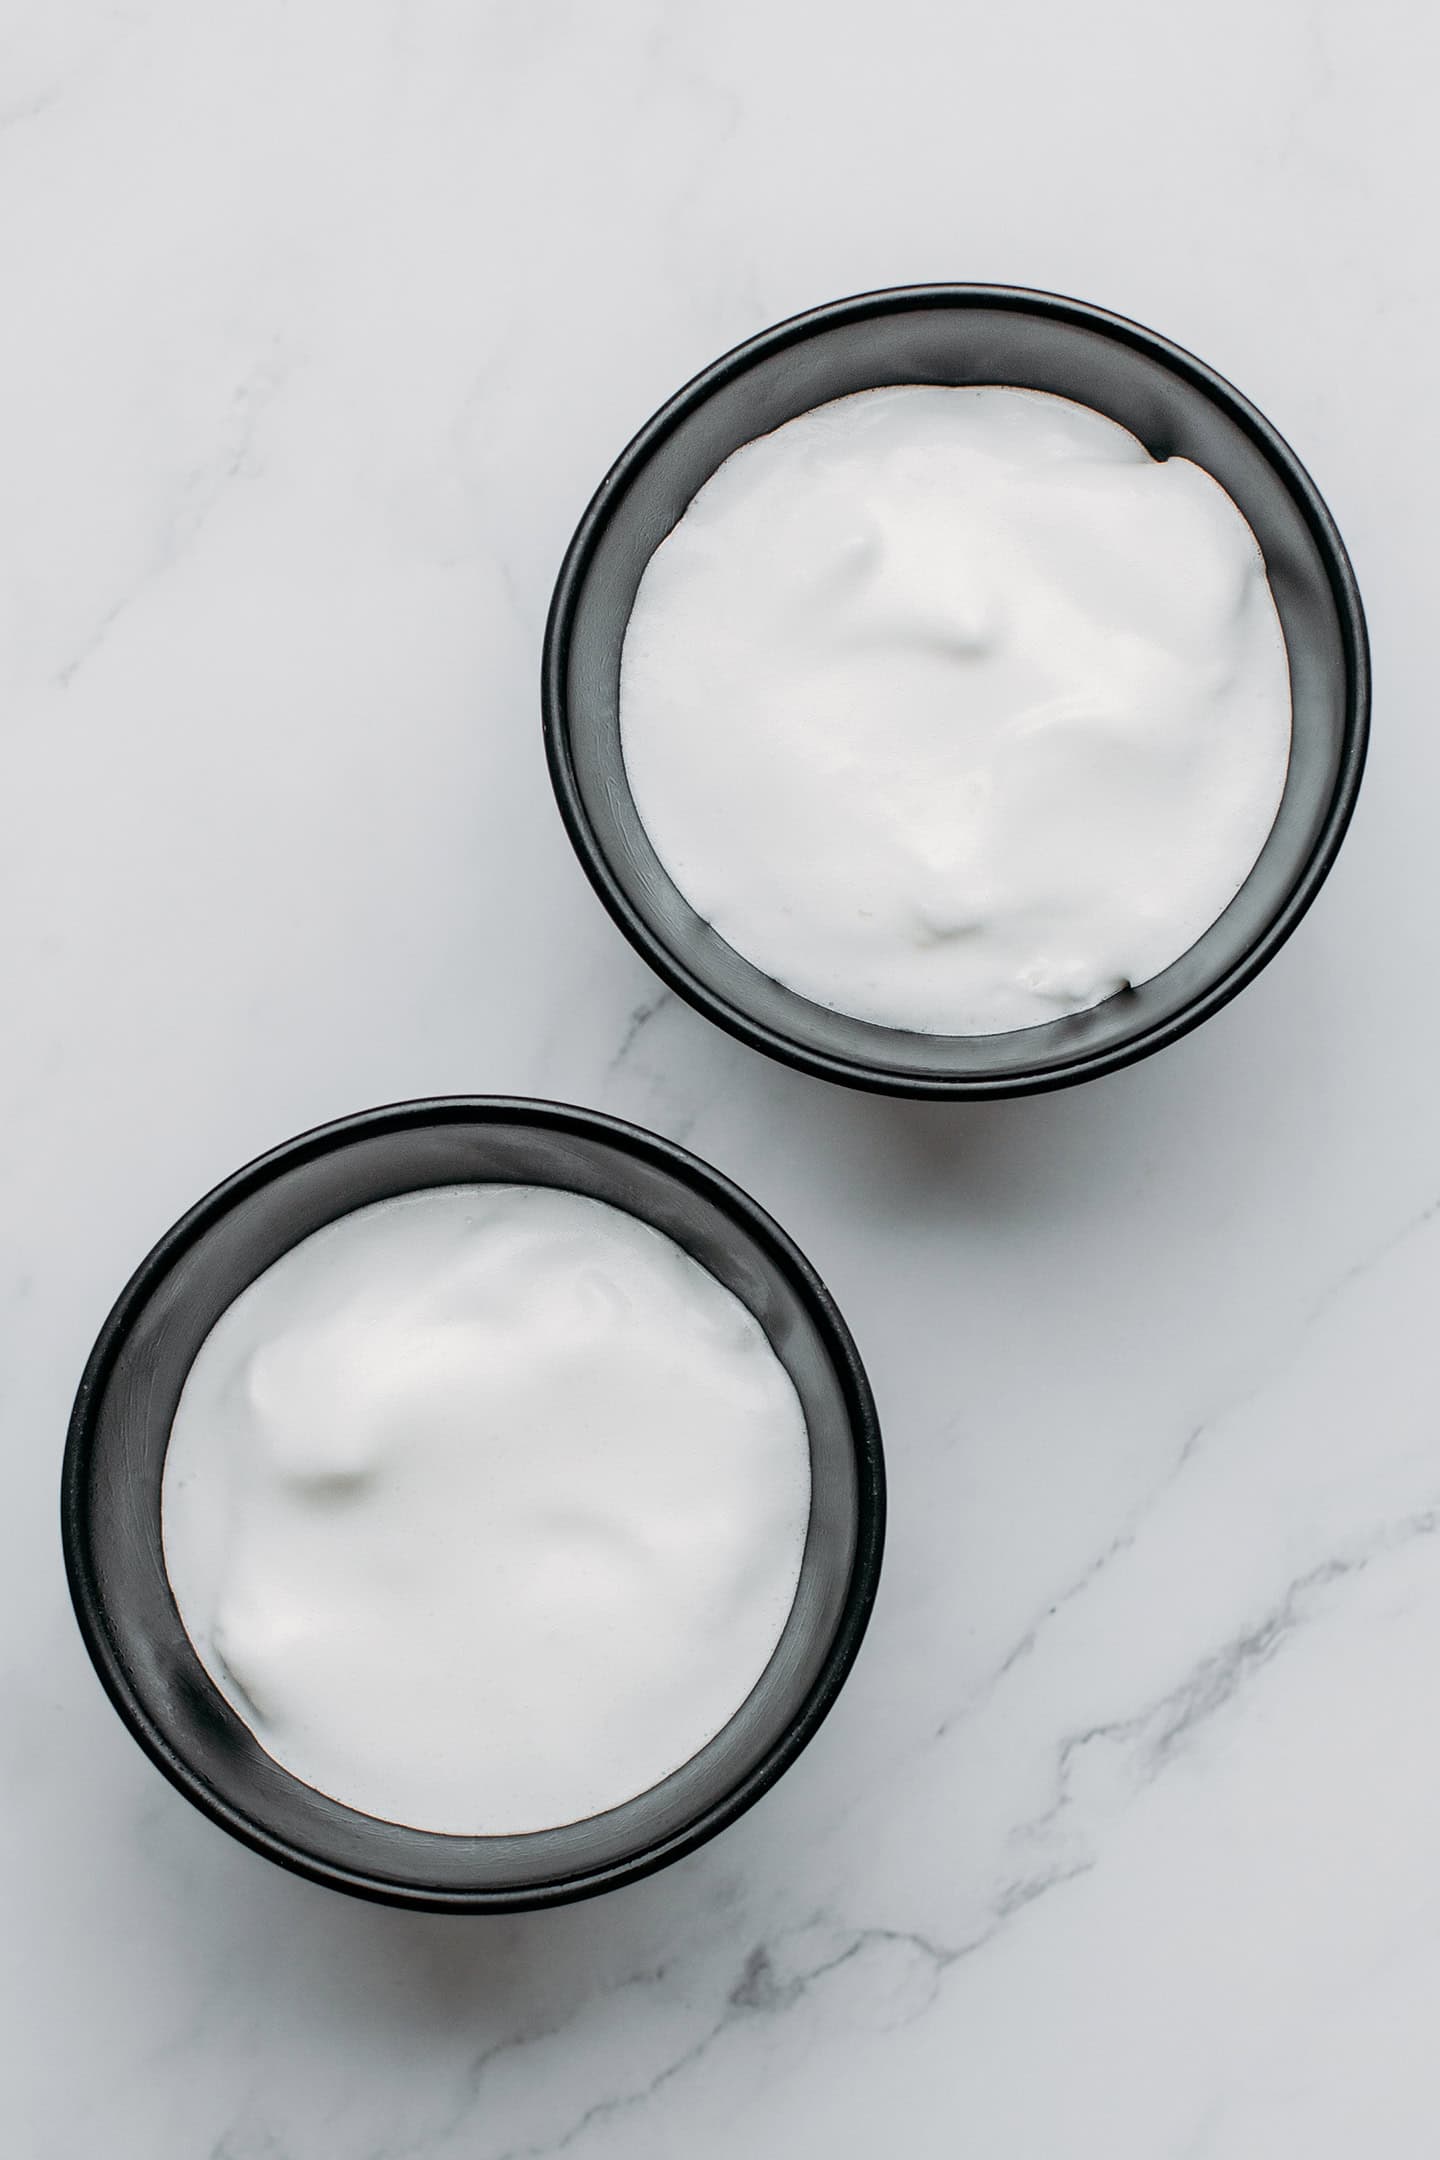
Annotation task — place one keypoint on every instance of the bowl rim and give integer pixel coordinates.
(779, 1250)
(795, 329)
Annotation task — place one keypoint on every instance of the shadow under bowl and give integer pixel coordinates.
(957, 334)
(120, 1431)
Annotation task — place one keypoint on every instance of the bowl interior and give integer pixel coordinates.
(122, 1431)
(959, 336)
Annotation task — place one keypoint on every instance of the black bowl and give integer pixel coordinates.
(956, 334)
(120, 1431)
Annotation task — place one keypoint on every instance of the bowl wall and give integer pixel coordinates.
(120, 1432)
(958, 335)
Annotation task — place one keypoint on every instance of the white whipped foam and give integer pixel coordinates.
(955, 710)
(484, 1508)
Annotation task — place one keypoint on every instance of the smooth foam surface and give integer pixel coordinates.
(953, 709)
(484, 1507)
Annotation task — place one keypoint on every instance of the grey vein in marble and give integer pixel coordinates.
(192, 506)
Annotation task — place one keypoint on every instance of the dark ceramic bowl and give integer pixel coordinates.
(956, 334)
(121, 1429)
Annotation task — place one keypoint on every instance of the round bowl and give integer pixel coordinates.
(120, 1431)
(956, 334)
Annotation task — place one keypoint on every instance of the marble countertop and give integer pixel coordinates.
(323, 320)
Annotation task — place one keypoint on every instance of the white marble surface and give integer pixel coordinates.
(322, 320)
